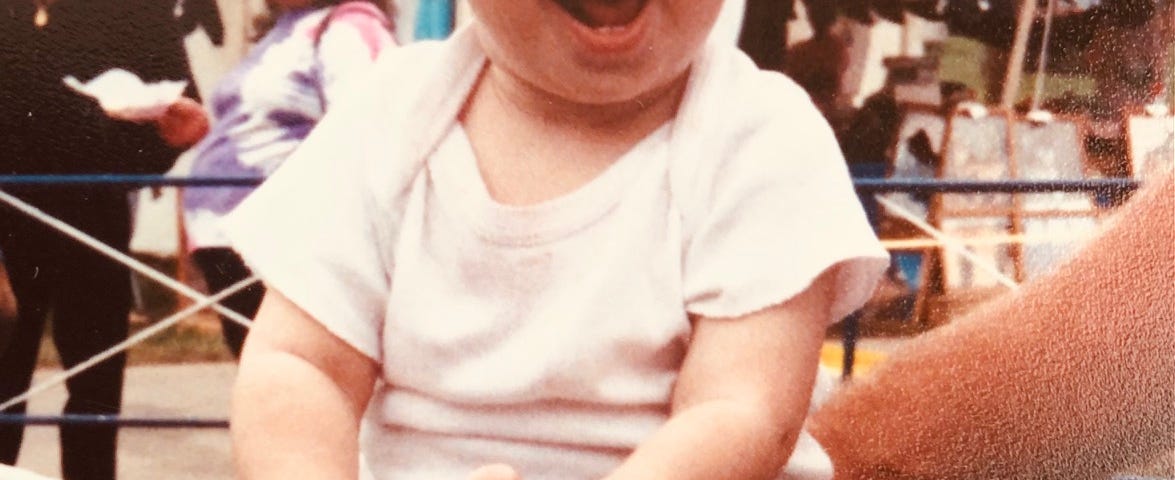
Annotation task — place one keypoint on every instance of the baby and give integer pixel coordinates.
(575, 240)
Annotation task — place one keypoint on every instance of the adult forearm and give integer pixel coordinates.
(292, 424)
(716, 439)
(1032, 405)
(1070, 377)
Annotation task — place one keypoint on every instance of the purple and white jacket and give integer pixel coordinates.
(268, 103)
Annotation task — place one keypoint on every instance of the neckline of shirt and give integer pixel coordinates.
(458, 183)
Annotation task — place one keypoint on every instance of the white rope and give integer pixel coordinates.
(986, 240)
(72, 232)
(129, 342)
(948, 242)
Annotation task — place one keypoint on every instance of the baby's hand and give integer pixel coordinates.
(496, 471)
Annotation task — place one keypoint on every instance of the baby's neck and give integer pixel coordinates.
(623, 121)
(532, 146)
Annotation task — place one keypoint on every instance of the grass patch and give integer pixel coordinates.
(963, 61)
(195, 340)
(190, 341)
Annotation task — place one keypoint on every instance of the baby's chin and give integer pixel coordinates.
(619, 89)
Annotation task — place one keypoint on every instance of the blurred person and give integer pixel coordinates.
(47, 128)
(1129, 55)
(763, 35)
(1069, 377)
(306, 52)
(818, 63)
(1130, 59)
(204, 14)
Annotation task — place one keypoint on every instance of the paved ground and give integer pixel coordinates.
(190, 390)
(195, 390)
(202, 391)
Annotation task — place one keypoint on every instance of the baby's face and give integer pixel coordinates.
(594, 51)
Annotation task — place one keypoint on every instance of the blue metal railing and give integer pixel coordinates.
(111, 420)
(863, 185)
(127, 181)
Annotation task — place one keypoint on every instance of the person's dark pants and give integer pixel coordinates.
(89, 298)
(222, 268)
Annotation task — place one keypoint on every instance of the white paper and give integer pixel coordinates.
(123, 95)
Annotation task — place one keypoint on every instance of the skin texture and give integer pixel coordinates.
(324, 383)
(1071, 377)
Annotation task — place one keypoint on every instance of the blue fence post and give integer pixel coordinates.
(434, 19)
(851, 326)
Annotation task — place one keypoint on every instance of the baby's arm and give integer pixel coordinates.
(742, 394)
(299, 396)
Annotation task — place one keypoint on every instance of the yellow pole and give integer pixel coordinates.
(1016, 57)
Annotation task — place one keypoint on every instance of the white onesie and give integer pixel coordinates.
(549, 336)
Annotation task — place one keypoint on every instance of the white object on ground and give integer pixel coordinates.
(13, 473)
(1039, 116)
(828, 380)
(972, 109)
(124, 96)
(808, 461)
(1156, 109)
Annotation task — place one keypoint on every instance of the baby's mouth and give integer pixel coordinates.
(603, 13)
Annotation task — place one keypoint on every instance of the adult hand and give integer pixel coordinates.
(494, 472)
(183, 123)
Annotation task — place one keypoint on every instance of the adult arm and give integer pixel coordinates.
(742, 394)
(1071, 377)
(298, 398)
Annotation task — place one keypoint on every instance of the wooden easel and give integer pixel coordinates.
(1006, 146)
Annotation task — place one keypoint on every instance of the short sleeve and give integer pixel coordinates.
(781, 210)
(310, 232)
